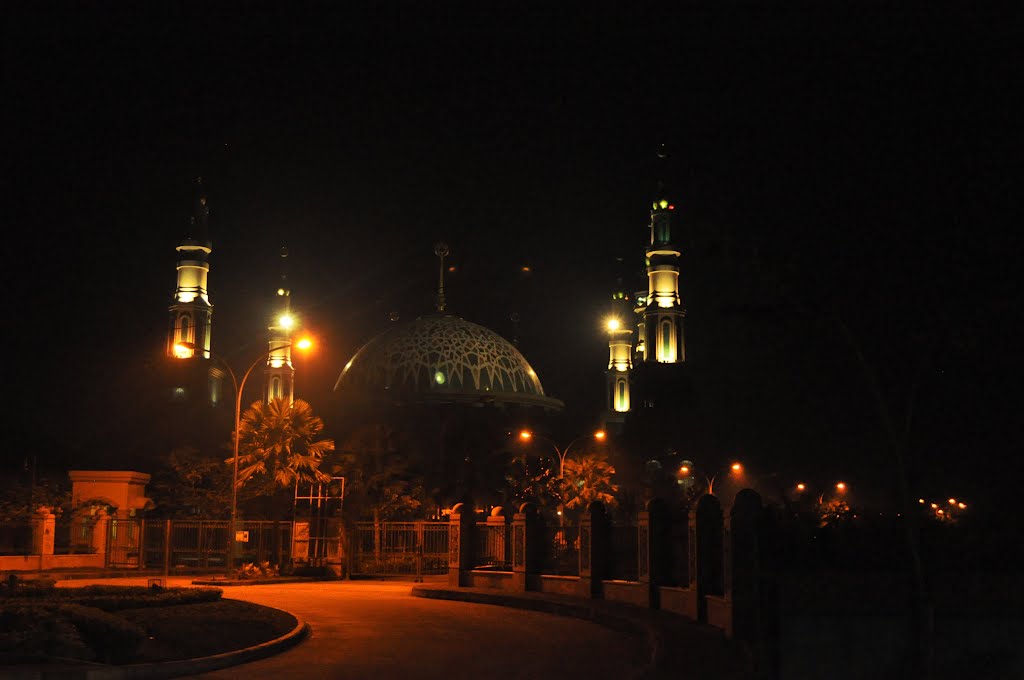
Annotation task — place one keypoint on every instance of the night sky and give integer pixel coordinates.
(849, 169)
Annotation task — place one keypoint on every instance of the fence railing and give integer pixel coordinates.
(561, 551)
(491, 547)
(399, 548)
(623, 541)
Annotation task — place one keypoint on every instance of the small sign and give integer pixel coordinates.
(242, 536)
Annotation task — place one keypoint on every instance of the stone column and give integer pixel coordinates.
(594, 538)
(525, 553)
(654, 549)
(706, 552)
(743, 572)
(460, 546)
(100, 533)
(43, 528)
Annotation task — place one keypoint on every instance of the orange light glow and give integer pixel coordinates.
(941, 512)
(921, 501)
(525, 269)
(961, 505)
(451, 269)
(182, 351)
(684, 470)
(841, 487)
(600, 435)
(304, 343)
(801, 486)
(952, 501)
(525, 435)
(737, 468)
(934, 505)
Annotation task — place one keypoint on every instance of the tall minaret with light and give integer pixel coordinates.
(191, 314)
(620, 350)
(280, 374)
(660, 331)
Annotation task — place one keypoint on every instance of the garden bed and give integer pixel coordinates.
(128, 625)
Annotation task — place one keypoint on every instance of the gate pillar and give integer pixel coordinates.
(460, 548)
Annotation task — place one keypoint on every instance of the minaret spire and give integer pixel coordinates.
(191, 312)
(280, 373)
(441, 250)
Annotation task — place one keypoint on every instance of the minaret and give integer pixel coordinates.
(660, 332)
(280, 374)
(620, 346)
(191, 314)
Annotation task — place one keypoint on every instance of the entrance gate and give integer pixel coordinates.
(399, 549)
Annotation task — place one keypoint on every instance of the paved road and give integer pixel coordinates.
(377, 630)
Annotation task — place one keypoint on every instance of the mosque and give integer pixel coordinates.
(452, 386)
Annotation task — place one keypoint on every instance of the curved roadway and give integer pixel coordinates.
(364, 629)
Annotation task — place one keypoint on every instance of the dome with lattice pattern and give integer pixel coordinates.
(442, 359)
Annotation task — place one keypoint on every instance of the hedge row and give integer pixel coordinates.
(37, 630)
(115, 598)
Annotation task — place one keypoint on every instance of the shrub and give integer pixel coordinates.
(114, 598)
(44, 629)
(255, 571)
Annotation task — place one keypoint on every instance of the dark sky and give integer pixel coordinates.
(841, 168)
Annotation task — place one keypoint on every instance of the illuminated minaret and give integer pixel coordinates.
(191, 312)
(660, 331)
(280, 374)
(620, 349)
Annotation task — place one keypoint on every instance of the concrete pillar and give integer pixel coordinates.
(43, 528)
(594, 540)
(654, 549)
(526, 556)
(706, 552)
(743, 572)
(101, 533)
(460, 544)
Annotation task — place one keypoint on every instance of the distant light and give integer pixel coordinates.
(921, 501)
(671, 207)
(182, 350)
(941, 512)
(525, 435)
(613, 324)
(280, 291)
(840, 487)
(952, 501)
(286, 321)
(684, 470)
(961, 505)
(525, 269)
(737, 468)
(934, 505)
(439, 377)
(663, 203)
(559, 512)
(451, 269)
(801, 486)
(600, 435)
(306, 343)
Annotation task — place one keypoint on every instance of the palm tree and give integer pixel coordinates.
(278, 444)
(587, 479)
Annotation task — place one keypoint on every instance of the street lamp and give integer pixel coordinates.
(185, 349)
(527, 435)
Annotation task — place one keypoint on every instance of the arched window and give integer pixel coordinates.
(622, 396)
(186, 326)
(666, 341)
(275, 388)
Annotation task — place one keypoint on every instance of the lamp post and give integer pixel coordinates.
(305, 343)
(527, 436)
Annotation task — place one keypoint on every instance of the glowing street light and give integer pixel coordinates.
(736, 468)
(952, 501)
(801, 487)
(286, 321)
(185, 350)
(684, 470)
(841, 487)
(613, 324)
(527, 436)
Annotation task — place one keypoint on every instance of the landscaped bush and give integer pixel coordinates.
(48, 629)
(114, 598)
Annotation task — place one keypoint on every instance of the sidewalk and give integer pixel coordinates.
(676, 647)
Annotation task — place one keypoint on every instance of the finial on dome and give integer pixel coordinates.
(441, 250)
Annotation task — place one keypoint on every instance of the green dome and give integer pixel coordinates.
(441, 359)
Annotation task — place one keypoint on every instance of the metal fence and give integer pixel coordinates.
(492, 547)
(623, 552)
(71, 536)
(561, 555)
(203, 544)
(399, 548)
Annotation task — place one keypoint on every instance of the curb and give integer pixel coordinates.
(588, 610)
(170, 669)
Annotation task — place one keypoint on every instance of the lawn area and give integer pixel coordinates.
(192, 630)
(127, 625)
